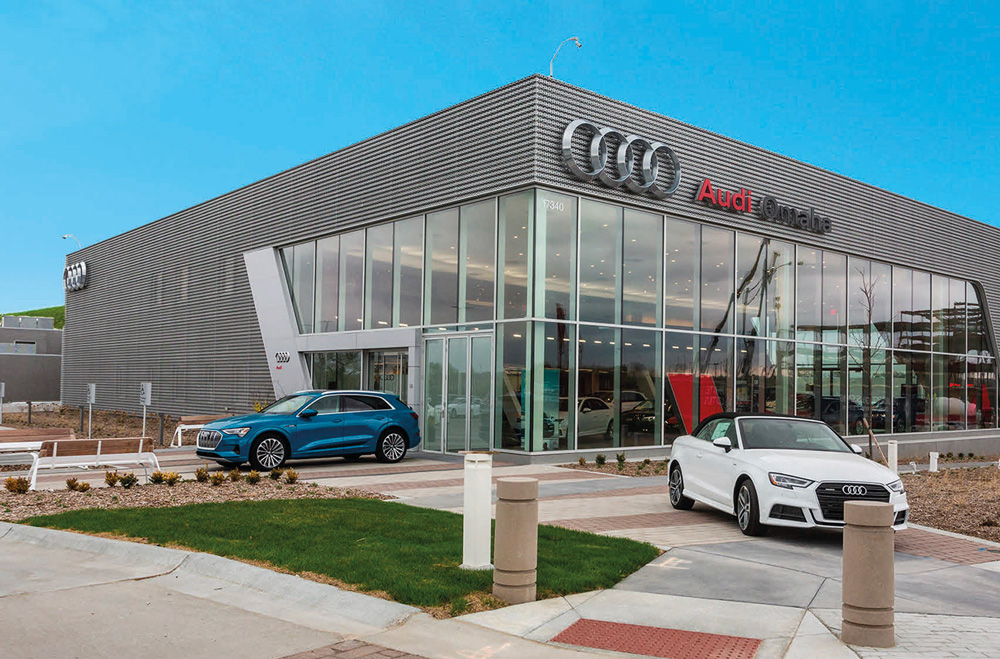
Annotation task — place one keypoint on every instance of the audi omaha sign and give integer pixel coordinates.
(612, 157)
(75, 277)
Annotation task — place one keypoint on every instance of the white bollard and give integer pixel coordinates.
(893, 456)
(476, 512)
(934, 458)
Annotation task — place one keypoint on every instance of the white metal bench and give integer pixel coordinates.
(87, 453)
(195, 422)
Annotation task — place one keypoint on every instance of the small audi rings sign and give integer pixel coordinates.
(854, 490)
(282, 357)
(75, 277)
(622, 170)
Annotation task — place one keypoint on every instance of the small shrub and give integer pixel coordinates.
(83, 487)
(72, 484)
(638, 467)
(111, 478)
(949, 455)
(582, 461)
(201, 475)
(274, 474)
(961, 456)
(235, 475)
(600, 459)
(291, 476)
(646, 462)
(620, 457)
(253, 477)
(218, 478)
(989, 521)
(971, 455)
(171, 478)
(128, 479)
(19, 485)
(156, 478)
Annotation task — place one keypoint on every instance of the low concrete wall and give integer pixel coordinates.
(31, 377)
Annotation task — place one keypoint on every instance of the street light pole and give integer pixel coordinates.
(69, 235)
(575, 40)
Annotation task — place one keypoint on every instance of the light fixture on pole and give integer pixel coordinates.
(69, 235)
(575, 40)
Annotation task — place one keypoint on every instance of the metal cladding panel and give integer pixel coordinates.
(170, 302)
(868, 221)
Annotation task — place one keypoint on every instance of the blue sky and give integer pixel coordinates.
(115, 114)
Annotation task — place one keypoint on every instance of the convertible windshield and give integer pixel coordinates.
(790, 434)
(286, 405)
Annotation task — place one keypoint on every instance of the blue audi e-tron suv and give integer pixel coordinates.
(313, 424)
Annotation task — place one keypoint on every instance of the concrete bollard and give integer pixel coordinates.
(868, 574)
(515, 553)
(934, 459)
(476, 513)
(893, 457)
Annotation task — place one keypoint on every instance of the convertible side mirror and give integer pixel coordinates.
(724, 443)
(308, 414)
(857, 449)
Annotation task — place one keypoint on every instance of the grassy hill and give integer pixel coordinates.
(59, 313)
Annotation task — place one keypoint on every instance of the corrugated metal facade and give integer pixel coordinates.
(170, 302)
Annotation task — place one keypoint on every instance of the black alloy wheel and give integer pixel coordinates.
(676, 485)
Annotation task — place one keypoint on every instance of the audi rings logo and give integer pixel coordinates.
(622, 171)
(282, 357)
(854, 490)
(75, 277)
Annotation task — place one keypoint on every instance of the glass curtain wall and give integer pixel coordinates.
(378, 276)
(407, 272)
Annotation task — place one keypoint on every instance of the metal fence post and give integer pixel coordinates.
(29, 412)
(161, 428)
(869, 574)
(81, 419)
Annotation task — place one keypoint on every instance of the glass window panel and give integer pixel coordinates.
(982, 392)
(682, 262)
(598, 388)
(979, 341)
(328, 284)
(921, 329)
(810, 293)
(643, 265)
(765, 376)
(949, 410)
(600, 261)
(717, 246)
(337, 370)
(911, 375)
(407, 271)
(821, 390)
(640, 405)
(860, 302)
(352, 269)
(455, 399)
(678, 400)
(480, 376)
(881, 290)
(751, 267)
(516, 228)
(555, 353)
(715, 376)
(940, 312)
(299, 261)
(378, 276)
(433, 394)
(868, 373)
(955, 319)
(780, 289)
(834, 298)
(477, 255)
(902, 308)
(513, 389)
(441, 268)
(555, 255)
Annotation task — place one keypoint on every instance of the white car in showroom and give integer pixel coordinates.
(777, 471)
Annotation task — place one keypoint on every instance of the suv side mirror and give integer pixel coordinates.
(724, 443)
(308, 413)
(857, 449)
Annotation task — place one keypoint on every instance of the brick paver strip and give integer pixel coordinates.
(946, 548)
(656, 641)
(640, 521)
(351, 649)
(457, 482)
(625, 492)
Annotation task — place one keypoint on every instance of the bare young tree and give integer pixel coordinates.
(868, 342)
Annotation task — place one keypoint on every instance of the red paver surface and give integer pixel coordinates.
(655, 641)
(942, 547)
(640, 521)
(457, 482)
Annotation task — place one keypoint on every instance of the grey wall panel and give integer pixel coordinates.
(30, 377)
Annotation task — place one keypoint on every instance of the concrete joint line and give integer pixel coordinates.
(756, 562)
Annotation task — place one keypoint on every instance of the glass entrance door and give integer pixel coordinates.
(387, 370)
(458, 391)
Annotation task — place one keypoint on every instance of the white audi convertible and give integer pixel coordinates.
(777, 471)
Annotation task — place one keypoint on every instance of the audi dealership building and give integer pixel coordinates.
(543, 269)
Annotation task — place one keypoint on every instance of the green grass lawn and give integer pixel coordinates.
(410, 553)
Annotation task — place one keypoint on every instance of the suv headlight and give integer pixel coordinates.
(896, 486)
(239, 432)
(788, 482)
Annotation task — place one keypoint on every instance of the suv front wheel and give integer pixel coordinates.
(268, 452)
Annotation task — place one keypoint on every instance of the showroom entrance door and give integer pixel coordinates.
(458, 392)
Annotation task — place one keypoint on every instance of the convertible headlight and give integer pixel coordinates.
(239, 432)
(896, 486)
(788, 482)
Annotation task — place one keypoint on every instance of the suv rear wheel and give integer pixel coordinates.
(391, 446)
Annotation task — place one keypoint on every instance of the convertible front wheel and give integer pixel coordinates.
(676, 485)
(748, 509)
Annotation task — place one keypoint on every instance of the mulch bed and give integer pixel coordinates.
(104, 424)
(639, 468)
(963, 501)
(15, 507)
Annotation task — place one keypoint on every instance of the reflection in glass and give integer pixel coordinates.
(949, 410)
(642, 265)
(902, 307)
(299, 263)
(982, 392)
(328, 284)
(868, 372)
(479, 404)
(765, 376)
(378, 276)
(407, 272)
(955, 319)
(821, 386)
(352, 271)
(516, 228)
(715, 375)
(441, 268)
(683, 262)
(476, 259)
(751, 270)
(555, 255)
(553, 422)
(513, 386)
(834, 297)
(780, 289)
(640, 405)
(911, 379)
(881, 288)
(717, 246)
(860, 302)
(978, 342)
(455, 401)
(600, 261)
(599, 387)
(921, 327)
(433, 394)
(810, 294)
(336, 370)
(678, 400)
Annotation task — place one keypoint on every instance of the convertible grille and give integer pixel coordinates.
(832, 497)
(209, 439)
